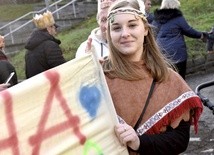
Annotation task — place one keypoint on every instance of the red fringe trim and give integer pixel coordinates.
(193, 103)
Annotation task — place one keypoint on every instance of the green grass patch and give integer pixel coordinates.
(11, 12)
(72, 38)
(18, 63)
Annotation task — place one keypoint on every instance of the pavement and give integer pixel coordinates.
(203, 142)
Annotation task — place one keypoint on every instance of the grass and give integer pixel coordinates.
(200, 17)
(72, 38)
(18, 63)
(199, 14)
(11, 12)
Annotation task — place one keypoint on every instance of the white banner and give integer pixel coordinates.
(66, 110)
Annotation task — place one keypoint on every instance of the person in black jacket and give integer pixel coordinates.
(43, 51)
(6, 68)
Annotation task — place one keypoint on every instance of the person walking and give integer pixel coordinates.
(43, 50)
(170, 28)
(155, 106)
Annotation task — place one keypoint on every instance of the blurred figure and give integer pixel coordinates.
(171, 27)
(98, 35)
(148, 5)
(2, 45)
(43, 51)
(210, 41)
(6, 68)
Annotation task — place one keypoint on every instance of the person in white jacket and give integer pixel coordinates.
(98, 35)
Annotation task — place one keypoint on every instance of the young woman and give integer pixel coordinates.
(154, 104)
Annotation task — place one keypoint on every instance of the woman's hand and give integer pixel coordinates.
(89, 45)
(89, 48)
(4, 86)
(127, 136)
(204, 36)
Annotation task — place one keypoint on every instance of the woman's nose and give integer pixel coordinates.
(125, 32)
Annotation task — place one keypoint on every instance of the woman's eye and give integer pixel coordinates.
(116, 28)
(132, 25)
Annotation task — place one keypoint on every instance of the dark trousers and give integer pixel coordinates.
(210, 45)
(181, 67)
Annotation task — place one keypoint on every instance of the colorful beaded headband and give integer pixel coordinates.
(125, 10)
(141, 12)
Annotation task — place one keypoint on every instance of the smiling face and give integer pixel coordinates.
(127, 33)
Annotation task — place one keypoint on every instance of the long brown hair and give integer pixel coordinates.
(118, 66)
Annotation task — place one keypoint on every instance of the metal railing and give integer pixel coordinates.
(56, 11)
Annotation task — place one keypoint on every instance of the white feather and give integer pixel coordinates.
(142, 6)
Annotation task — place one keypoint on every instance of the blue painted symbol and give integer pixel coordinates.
(90, 99)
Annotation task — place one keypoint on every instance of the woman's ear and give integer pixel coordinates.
(146, 30)
(49, 29)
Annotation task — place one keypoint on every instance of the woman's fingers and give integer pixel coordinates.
(89, 45)
(123, 131)
(127, 136)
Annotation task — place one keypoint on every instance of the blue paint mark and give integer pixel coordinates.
(90, 99)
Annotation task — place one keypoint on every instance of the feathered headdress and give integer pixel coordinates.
(44, 20)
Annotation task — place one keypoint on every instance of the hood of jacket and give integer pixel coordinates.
(164, 15)
(96, 35)
(38, 37)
